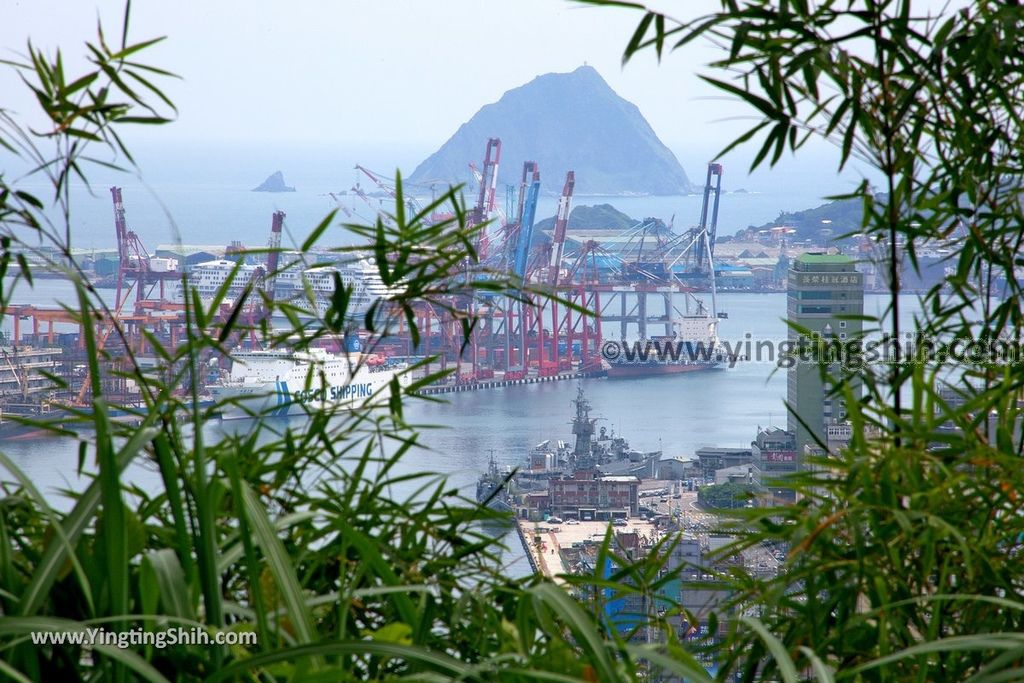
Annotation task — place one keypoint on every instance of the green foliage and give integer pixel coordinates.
(298, 535)
(904, 547)
(903, 551)
(730, 495)
(845, 218)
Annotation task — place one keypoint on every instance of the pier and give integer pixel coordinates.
(544, 542)
(499, 383)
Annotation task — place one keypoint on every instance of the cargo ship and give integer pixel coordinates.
(284, 382)
(37, 423)
(27, 394)
(692, 346)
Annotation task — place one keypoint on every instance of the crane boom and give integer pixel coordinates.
(528, 213)
(485, 202)
(488, 180)
(376, 180)
(706, 245)
(133, 259)
(274, 250)
(561, 226)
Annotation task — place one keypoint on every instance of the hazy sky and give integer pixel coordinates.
(372, 71)
(377, 72)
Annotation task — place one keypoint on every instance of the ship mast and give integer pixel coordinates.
(582, 425)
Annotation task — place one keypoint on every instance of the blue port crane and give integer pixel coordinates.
(524, 236)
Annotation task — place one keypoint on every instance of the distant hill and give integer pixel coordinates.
(839, 217)
(564, 121)
(599, 217)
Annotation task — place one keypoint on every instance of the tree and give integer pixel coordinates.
(725, 496)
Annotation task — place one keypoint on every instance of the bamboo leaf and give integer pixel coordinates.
(280, 565)
(170, 579)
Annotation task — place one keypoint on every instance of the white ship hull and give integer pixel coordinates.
(280, 383)
(294, 284)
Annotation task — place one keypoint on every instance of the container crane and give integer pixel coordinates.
(478, 176)
(527, 214)
(551, 367)
(133, 259)
(485, 202)
(561, 226)
(274, 251)
(698, 254)
(136, 268)
(706, 243)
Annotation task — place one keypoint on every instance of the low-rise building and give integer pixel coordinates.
(774, 456)
(679, 467)
(586, 496)
(713, 458)
(740, 474)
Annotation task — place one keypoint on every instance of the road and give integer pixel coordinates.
(697, 522)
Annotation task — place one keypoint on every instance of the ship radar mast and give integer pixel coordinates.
(582, 424)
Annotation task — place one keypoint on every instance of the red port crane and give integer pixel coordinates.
(134, 262)
(561, 225)
(274, 253)
(133, 259)
(485, 203)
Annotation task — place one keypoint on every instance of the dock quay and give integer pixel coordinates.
(498, 383)
(545, 543)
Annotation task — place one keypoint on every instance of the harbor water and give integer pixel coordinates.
(673, 413)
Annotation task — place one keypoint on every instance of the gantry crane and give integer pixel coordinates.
(561, 226)
(485, 203)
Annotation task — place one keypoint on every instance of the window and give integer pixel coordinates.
(842, 323)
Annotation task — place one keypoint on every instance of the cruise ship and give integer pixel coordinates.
(207, 278)
(283, 382)
(290, 284)
(362, 275)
